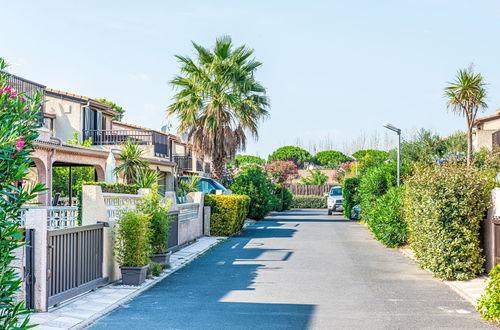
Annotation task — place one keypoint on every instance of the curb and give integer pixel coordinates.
(134, 294)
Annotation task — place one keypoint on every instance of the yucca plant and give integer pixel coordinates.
(146, 178)
(186, 186)
(131, 157)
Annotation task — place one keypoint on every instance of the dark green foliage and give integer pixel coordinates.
(227, 214)
(331, 158)
(420, 147)
(349, 192)
(253, 182)
(156, 269)
(287, 199)
(374, 183)
(295, 154)
(489, 304)
(309, 202)
(315, 178)
(281, 198)
(385, 218)
(18, 124)
(246, 159)
(79, 174)
(116, 188)
(444, 207)
(159, 220)
(132, 239)
(371, 154)
(114, 107)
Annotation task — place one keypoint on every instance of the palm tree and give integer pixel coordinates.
(466, 95)
(131, 157)
(218, 100)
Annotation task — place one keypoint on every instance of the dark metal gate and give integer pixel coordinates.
(74, 264)
(173, 235)
(496, 239)
(29, 269)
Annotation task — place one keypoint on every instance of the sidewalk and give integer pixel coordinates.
(470, 290)
(84, 310)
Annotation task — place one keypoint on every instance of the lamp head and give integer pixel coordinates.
(392, 128)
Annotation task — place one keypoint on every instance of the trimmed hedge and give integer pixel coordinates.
(489, 304)
(309, 202)
(386, 218)
(349, 192)
(116, 188)
(444, 207)
(228, 213)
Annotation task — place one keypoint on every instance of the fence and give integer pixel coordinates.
(75, 261)
(58, 217)
(310, 190)
(116, 203)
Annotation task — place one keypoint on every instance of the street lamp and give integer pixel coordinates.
(398, 131)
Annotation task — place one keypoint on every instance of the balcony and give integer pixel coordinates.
(28, 87)
(183, 162)
(160, 142)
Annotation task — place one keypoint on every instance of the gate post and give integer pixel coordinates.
(36, 218)
(490, 231)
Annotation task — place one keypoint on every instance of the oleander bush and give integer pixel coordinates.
(349, 192)
(489, 304)
(443, 206)
(132, 239)
(386, 218)
(309, 202)
(228, 213)
(253, 182)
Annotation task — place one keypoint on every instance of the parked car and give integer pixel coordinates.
(208, 186)
(335, 199)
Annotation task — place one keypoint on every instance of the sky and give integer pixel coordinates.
(335, 71)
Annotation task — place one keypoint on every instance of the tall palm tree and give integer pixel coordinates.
(218, 100)
(466, 95)
(132, 163)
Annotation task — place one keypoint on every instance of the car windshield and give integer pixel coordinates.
(336, 191)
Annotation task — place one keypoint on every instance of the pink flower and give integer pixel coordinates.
(20, 143)
(23, 99)
(22, 181)
(26, 108)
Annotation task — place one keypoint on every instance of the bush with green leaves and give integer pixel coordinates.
(246, 159)
(444, 207)
(386, 218)
(349, 192)
(156, 269)
(115, 188)
(489, 304)
(146, 178)
(309, 202)
(253, 182)
(315, 178)
(281, 198)
(19, 119)
(331, 158)
(292, 153)
(227, 214)
(132, 239)
(374, 183)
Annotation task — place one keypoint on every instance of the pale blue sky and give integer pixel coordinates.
(333, 69)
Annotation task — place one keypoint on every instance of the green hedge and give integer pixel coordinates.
(309, 202)
(117, 188)
(349, 192)
(444, 207)
(281, 198)
(228, 213)
(386, 218)
(489, 304)
(253, 182)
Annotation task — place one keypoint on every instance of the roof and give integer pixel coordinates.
(488, 118)
(92, 102)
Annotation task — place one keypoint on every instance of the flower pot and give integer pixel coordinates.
(134, 275)
(161, 258)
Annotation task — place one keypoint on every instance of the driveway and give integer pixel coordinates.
(300, 269)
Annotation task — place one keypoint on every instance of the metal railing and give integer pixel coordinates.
(28, 87)
(160, 142)
(183, 162)
(117, 203)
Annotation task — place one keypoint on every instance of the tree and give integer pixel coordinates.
(292, 153)
(131, 157)
(281, 171)
(331, 158)
(219, 100)
(466, 95)
(114, 107)
(18, 123)
(316, 178)
(246, 159)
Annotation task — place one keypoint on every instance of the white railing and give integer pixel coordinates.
(117, 203)
(59, 217)
(188, 211)
(22, 217)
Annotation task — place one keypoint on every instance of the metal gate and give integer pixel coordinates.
(74, 264)
(496, 239)
(29, 269)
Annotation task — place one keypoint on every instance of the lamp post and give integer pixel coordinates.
(398, 131)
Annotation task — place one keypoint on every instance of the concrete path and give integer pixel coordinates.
(298, 270)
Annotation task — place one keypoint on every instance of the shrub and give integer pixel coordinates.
(372, 154)
(228, 213)
(489, 304)
(156, 269)
(386, 218)
(281, 198)
(116, 188)
(331, 158)
(132, 245)
(253, 182)
(349, 192)
(444, 206)
(309, 202)
(292, 153)
(287, 199)
(246, 159)
(374, 183)
(280, 171)
(315, 178)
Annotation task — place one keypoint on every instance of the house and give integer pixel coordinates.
(487, 132)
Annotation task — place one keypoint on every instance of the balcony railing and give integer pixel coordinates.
(28, 87)
(183, 162)
(159, 141)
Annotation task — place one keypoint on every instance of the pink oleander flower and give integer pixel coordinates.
(22, 181)
(22, 99)
(20, 144)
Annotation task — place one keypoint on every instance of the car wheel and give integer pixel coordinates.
(330, 212)
(334, 209)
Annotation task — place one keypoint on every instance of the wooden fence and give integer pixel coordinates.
(312, 190)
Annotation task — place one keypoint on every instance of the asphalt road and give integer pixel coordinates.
(301, 269)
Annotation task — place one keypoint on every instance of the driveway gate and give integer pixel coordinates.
(74, 264)
(496, 239)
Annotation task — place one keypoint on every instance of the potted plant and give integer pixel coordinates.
(159, 225)
(132, 246)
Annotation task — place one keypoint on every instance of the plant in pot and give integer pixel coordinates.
(132, 246)
(152, 205)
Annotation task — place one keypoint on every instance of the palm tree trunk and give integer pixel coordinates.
(469, 145)
(218, 169)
